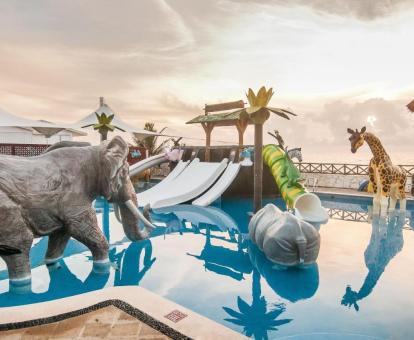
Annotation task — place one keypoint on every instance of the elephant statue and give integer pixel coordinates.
(52, 194)
(285, 239)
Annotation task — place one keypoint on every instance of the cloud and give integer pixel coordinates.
(365, 10)
(162, 60)
(325, 132)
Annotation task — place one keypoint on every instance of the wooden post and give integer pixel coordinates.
(241, 126)
(259, 118)
(208, 128)
(258, 166)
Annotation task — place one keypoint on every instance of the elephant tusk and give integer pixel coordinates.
(116, 211)
(135, 211)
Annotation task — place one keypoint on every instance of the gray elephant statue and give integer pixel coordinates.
(52, 194)
(285, 239)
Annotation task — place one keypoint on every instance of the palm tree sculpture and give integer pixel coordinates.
(410, 106)
(104, 125)
(255, 318)
(150, 142)
(258, 113)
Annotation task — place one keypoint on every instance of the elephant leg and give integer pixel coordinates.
(18, 266)
(84, 228)
(56, 245)
(15, 241)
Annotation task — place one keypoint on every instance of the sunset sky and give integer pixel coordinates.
(337, 64)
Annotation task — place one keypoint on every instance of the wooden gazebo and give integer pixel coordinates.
(256, 114)
(228, 118)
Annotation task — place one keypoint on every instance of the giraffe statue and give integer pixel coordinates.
(388, 180)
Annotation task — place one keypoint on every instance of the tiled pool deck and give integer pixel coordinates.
(105, 323)
(112, 313)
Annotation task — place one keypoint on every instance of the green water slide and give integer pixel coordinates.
(287, 177)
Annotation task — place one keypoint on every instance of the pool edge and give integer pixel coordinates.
(146, 306)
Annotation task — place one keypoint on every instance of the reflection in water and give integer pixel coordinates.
(256, 319)
(130, 273)
(292, 284)
(386, 242)
(62, 281)
(222, 260)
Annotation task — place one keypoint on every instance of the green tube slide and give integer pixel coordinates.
(287, 177)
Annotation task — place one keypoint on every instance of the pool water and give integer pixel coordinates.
(361, 287)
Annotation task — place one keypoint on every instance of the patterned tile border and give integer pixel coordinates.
(127, 308)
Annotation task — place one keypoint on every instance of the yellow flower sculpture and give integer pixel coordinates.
(261, 100)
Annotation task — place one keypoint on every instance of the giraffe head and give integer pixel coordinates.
(356, 138)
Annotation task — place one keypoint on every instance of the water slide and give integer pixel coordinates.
(147, 163)
(195, 179)
(220, 186)
(306, 205)
(197, 215)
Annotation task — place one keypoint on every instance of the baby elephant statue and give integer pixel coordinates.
(284, 239)
(52, 195)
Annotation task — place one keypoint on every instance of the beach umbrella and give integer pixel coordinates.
(43, 127)
(105, 120)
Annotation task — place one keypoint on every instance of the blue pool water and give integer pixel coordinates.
(361, 287)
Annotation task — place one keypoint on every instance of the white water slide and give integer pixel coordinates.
(198, 215)
(195, 179)
(220, 186)
(146, 163)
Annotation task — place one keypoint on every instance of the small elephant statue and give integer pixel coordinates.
(285, 239)
(52, 195)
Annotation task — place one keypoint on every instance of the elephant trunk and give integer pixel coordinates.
(130, 217)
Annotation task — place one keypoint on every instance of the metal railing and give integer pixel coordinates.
(357, 216)
(342, 168)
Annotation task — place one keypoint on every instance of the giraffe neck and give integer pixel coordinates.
(376, 147)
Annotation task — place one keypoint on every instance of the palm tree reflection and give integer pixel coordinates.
(256, 319)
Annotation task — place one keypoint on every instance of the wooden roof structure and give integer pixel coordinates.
(257, 113)
(236, 118)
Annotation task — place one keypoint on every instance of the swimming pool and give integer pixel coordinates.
(361, 286)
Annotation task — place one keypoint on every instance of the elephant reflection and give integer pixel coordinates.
(63, 283)
(386, 242)
(292, 284)
(129, 273)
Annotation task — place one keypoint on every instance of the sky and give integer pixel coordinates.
(336, 63)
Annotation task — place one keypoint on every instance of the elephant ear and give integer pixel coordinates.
(114, 155)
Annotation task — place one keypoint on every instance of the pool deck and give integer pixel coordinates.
(105, 323)
(156, 316)
(349, 192)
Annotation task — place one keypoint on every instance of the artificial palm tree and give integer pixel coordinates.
(104, 125)
(150, 142)
(255, 318)
(258, 113)
(410, 106)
